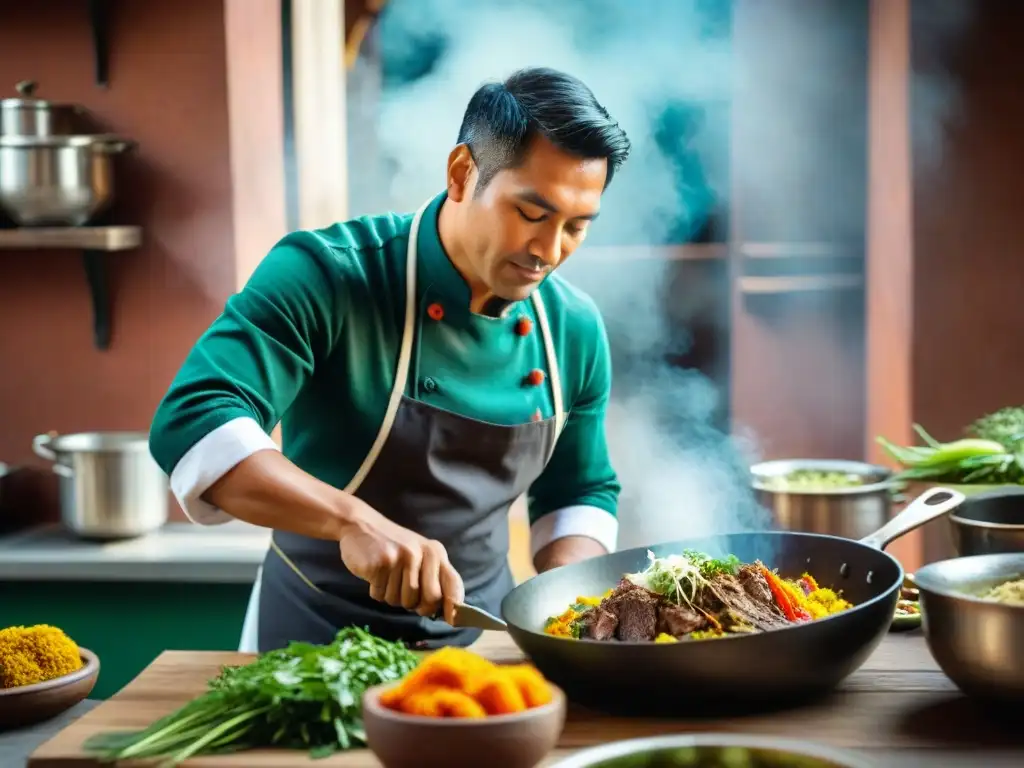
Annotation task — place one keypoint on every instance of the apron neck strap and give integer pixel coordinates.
(405, 356)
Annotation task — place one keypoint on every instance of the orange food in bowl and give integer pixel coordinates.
(455, 682)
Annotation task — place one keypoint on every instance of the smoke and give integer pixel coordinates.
(666, 70)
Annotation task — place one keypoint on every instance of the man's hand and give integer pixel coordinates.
(403, 568)
(567, 550)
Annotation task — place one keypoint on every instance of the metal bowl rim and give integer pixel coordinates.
(765, 469)
(593, 756)
(112, 441)
(998, 557)
(968, 523)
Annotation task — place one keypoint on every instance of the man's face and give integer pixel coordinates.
(529, 219)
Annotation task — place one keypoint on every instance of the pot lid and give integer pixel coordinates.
(24, 100)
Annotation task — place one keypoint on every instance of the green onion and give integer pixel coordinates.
(968, 460)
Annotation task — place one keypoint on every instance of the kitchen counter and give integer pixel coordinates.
(17, 745)
(898, 709)
(179, 552)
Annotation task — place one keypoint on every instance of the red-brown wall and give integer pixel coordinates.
(168, 92)
(968, 353)
(968, 231)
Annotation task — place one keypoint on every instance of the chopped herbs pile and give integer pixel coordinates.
(301, 697)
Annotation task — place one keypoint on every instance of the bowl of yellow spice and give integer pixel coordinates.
(42, 673)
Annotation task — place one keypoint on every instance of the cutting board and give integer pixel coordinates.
(898, 705)
(173, 679)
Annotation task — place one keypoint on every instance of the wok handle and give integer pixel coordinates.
(926, 507)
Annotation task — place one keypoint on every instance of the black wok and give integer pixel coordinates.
(736, 673)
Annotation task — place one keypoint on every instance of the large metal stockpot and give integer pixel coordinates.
(110, 486)
(851, 512)
(60, 181)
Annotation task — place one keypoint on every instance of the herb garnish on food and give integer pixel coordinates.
(301, 697)
(680, 577)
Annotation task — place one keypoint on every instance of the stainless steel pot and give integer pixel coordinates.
(60, 181)
(853, 513)
(705, 749)
(110, 486)
(26, 116)
(979, 644)
(990, 523)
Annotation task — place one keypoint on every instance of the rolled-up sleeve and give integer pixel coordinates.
(578, 492)
(244, 372)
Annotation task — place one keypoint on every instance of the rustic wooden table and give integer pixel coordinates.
(898, 708)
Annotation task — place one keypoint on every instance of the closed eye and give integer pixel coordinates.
(527, 218)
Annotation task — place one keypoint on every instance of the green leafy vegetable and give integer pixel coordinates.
(300, 697)
(1005, 426)
(970, 460)
(710, 566)
(680, 578)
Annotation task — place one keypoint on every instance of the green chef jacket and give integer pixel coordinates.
(312, 342)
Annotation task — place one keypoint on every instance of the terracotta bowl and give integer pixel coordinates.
(30, 704)
(511, 741)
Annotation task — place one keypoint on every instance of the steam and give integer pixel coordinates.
(664, 69)
(936, 92)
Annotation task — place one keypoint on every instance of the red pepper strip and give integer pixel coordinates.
(811, 582)
(711, 620)
(790, 611)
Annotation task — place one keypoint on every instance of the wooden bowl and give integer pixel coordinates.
(511, 741)
(30, 704)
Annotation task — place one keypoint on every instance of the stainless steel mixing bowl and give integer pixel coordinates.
(978, 643)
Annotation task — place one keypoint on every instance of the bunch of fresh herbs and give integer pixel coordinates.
(304, 696)
(970, 460)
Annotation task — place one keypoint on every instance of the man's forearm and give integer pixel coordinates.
(567, 550)
(268, 490)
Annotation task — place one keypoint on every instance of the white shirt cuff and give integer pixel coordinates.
(592, 522)
(212, 458)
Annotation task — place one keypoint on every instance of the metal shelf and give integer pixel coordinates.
(94, 243)
(800, 250)
(750, 285)
(685, 252)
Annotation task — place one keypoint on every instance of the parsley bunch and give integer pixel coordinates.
(300, 697)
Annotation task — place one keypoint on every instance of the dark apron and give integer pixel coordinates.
(442, 475)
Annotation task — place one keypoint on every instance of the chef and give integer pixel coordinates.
(426, 370)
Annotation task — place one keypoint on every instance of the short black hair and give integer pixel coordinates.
(502, 118)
